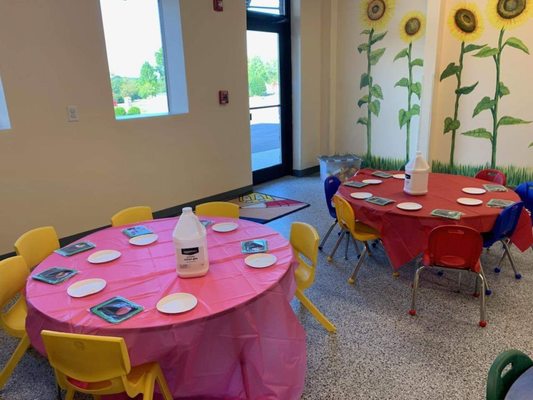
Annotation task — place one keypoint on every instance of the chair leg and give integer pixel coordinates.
(330, 257)
(412, 311)
(353, 277)
(315, 311)
(346, 248)
(14, 360)
(162, 383)
(356, 247)
(368, 249)
(327, 235)
(70, 394)
(507, 251)
(97, 397)
(488, 290)
(483, 317)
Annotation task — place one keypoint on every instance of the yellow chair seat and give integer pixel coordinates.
(364, 233)
(15, 319)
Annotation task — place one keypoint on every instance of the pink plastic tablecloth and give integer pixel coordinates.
(242, 341)
(404, 233)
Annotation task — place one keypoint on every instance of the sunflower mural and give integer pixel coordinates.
(375, 15)
(412, 28)
(466, 25)
(503, 15)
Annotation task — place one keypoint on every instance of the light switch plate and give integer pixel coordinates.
(72, 114)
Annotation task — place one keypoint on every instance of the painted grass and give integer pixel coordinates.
(382, 163)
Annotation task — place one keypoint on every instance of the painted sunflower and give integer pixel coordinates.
(466, 22)
(413, 26)
(376, 14)
(508, 14)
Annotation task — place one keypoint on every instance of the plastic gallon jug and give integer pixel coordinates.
(190, 240)
(416, 176)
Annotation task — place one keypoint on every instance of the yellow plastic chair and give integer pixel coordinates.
(218, 209)
(99, 365)
(36, 245)
(13, 275)
(304, 240)
(132, 215)
(358, 231)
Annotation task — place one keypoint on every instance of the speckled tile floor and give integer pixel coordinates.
(379, 351)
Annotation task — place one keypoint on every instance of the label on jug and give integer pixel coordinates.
(188, 257)
(407, 176)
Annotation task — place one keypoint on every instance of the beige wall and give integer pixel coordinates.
(75, 175)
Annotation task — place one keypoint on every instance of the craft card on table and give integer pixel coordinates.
(380, 201)
(355, 184)
(75, 248)
(254, 246)
(382, 174)
(116, 309)
(451, 214)
(206, 222)
(55, 275)
(499, 203)
(136, 231)
(495, 188)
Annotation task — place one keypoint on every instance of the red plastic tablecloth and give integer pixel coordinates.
(404, 233)
(242, 341)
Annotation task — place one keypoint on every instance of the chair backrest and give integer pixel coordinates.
(88, 359)
(525, 191)
(345, 213)
(455, 246)
(331, 185)
(37, 244)
(13, 275)
(506, 369)
(492, 175)
(218, 209)
(304, 240)
(506, 222)
(132, 215)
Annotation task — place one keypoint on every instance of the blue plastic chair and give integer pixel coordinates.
(331, 185)
(501, 232)
(525, 191)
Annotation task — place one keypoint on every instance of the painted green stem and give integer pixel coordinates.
(370, 83)
(497, 61)
(457, 97)
(409, 94)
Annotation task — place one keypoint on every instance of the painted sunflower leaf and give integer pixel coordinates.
(480, 133)
(417, 62)
(450, 70)
(486, 103)
(503, 90)
(363, 47)
(403, 53)
(375, 107)
(473, 47)
(362, 100)
(486, 52)
(416, 88)
(366, 80)
(517, 44)
(404, 82)
(376, 55)
(362, 121)
(415, 110)
(366, 32)
(403, 117)
(531, 144)
(377, 92)
(451, 125)
(506, 120)
(378, 37)
(466, 89)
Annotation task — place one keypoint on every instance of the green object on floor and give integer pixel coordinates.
(498, 384)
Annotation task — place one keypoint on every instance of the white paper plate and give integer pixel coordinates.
(361, 195)
(399, 176)
(373, 181)
(176, 303)
(86, 287)
(260, 260)
(467, 201)
(409, 206)
(144, 240)
(473, 190)
(225, 227)
(103, 256)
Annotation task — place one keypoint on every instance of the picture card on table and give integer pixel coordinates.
(355, 184)
(136, 231)
(75, 248)
(495, 188)
(55, 275)
(254, 246)
(380, 201)
(451, 214)
(499, 203)
(382, 174)
(116, 309)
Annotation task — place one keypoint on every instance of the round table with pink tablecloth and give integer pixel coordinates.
(241, 341)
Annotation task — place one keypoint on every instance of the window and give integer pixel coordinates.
(266, 6)
(143, 82)
(4, 115)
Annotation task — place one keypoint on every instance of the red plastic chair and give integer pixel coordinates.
(492, 175)
(454, 247)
